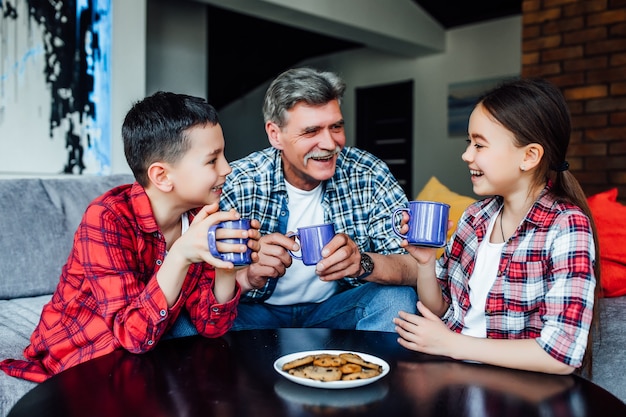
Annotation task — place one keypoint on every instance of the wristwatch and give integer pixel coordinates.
(367, 264)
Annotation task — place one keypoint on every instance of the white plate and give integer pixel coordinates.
(308, 396)
(278, 366)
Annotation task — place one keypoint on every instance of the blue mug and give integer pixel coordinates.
(428, 223)
(237, 258)
(312, 240)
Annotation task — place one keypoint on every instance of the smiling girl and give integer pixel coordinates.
(516, 284)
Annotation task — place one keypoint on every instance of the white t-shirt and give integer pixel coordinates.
(480, 282)
(300, 284)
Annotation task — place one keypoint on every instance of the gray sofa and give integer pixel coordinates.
(38, 218)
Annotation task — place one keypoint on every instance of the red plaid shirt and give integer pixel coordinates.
(545, 283)
(108, 296)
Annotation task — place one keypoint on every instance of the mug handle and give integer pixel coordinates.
(212, 244)
(395, 220)
(297, 236)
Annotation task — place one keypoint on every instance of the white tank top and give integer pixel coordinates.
(300, 284)
(480, 282)
(184, 221)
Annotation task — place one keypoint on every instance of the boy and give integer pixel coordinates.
(140, 258)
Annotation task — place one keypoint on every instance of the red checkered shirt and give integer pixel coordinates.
(545, 283)
(108, 296)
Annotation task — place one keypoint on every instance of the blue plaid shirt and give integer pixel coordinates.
(359, 200)
(545, 283)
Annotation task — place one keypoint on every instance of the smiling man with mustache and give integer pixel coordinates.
(307, 177)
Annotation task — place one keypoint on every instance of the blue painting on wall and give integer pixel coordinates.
(462, 97)
(55, 99)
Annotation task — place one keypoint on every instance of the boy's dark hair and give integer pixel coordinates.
(155, 128)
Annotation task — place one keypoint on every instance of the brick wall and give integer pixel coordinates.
(580, 45)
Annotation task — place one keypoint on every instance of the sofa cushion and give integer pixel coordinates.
(610, 218)
(609, 339)
(34, 247)
(18, 319)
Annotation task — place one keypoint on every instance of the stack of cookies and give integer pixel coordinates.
(328, 367)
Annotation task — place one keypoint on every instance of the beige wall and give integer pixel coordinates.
(128, 70)
(471, 53)
(474, 52)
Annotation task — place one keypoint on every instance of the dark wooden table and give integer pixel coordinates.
(233, 376)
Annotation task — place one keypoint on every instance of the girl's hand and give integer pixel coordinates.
(426, 333)
(423, 255)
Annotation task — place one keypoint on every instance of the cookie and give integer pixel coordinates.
(317, 373)
(365, 373)
(298, 362)
(329, 360)
(349, 368)
(354, 358)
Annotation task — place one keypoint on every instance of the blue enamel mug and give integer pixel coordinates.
(428, 223)
(312, 240)
(237, 258)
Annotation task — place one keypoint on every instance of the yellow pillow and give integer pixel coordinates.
(436, 191)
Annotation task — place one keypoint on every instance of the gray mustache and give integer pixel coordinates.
(321, 154)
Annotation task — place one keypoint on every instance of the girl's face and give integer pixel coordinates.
(493, 159)
(200, 174)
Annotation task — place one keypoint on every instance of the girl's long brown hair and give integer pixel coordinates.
(536, 112)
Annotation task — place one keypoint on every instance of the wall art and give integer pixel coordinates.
(55, 87)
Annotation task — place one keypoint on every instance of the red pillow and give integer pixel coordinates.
(610, 218)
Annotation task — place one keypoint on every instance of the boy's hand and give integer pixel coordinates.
(193, 244)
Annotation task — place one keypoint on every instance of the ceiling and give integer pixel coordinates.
(238, 62)
(452, 13)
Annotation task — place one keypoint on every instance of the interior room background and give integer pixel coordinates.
(163, 45)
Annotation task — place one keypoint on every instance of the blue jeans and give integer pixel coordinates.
(182, 327)
(367, 307)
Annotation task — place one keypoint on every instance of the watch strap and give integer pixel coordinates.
(367, 264)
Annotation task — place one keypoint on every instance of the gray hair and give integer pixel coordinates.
(300, 84)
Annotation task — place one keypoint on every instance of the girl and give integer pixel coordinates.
(516, 284)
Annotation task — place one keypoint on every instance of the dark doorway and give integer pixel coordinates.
(384, 127)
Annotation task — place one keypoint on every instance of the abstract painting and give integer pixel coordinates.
(55, 87)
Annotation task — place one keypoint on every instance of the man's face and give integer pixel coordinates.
(310, 141)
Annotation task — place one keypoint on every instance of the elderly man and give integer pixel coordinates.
(307, 177)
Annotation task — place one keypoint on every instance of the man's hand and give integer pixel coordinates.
(271, 261)
(342, 258)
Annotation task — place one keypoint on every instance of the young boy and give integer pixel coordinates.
(140, 258)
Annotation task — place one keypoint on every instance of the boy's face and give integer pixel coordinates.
(199, 176)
